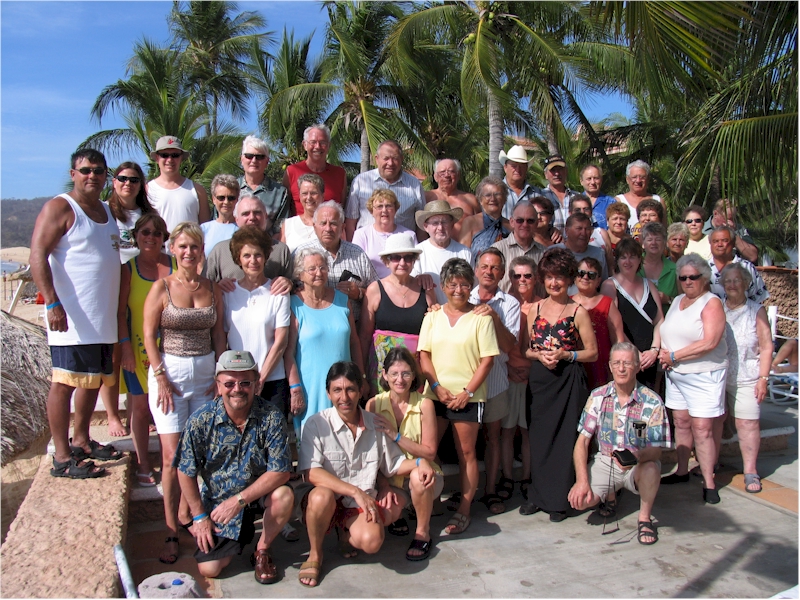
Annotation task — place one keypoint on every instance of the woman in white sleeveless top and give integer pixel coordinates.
(299, 229)
(695, 355)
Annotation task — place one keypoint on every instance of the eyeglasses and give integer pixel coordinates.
(592, 275)
(457, 286)
(151, 232)
(732, 281)
(324, 269)
(123, 179)
(526, 276)
(488, 195)
(95, 170)
(443, 223)
(249, 156)
(520, 220)
(617, 364)
(402, 375)
(383, 207)
(229, 385)
(409, 258)
(223, 198)
(690, 221)
(166, 155)
(690, 277)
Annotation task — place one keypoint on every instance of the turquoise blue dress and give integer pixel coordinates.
(323, 338)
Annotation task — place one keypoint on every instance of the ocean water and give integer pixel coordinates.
(9, 267)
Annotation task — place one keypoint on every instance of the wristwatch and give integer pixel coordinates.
(240, 499)
(470, 394)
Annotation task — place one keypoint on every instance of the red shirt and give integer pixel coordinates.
(334, 178)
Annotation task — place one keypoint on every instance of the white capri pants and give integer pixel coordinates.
(193, 376)
(702, 394)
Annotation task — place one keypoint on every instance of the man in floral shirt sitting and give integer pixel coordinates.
(631, 426)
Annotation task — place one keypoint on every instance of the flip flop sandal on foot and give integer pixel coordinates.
(423, 546)
(309, 570)
(752, 479)
(98, 451)
(146, 479)
(73, 469)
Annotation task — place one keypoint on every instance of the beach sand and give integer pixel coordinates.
(19, 255)
(29, 312)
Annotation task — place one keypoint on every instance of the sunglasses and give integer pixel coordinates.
(690, 221)
(166, 155)
(526, 276)
(222, 198)
(520, 221)
(409, 258)
(123, 179)
(229, 385)
(151, 232)
(249, 156)
(690, 277)
(592, 275)
(95, 170)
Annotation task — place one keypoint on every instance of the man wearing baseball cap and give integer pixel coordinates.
(555, 171)
(176, 198)
(515, 164)
(239, 445)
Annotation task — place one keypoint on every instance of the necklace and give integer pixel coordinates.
(403, 297)
(740, 305)
(186, 288)
(562, 310)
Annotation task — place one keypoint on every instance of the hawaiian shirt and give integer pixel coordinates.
(212, 447)
(613, 424)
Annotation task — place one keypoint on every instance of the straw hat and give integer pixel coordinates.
(437, 207)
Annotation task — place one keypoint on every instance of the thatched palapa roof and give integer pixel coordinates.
(26, 369)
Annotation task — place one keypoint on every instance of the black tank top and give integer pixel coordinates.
(391, 317)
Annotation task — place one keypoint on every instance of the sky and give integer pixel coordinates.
(56, 58)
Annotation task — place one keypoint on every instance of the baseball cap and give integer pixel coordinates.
(235, 360)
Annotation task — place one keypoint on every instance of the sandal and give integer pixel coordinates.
(72, 469)
(493, 503)
(647, 529)
(458, 523)
(399, 527)
(309, 570)
(505, 489)
(146, 479)
(607, 509)
(523, 487)
(752, 479)
(424, 546)
(97, 451)
(172, 557)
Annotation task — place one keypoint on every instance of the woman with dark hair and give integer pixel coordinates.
(407, 417)
(617, 216)
(559, 336)
(606, 320)
(457, 350)
(639, 303)
(695, 218)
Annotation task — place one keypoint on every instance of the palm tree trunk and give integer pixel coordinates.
(365, 152)
(495, 136)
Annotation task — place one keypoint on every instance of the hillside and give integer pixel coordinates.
(18, 217)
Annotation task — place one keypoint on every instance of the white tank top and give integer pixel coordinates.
(683, 327)
(297, 232)
(175, 206)
(86, 270)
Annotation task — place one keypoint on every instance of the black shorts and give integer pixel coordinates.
(224, 547)
(471, 413)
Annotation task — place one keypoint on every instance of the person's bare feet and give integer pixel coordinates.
(116, 428)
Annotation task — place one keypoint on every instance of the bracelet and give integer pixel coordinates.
(200, 517)
(419, 459)
(127, 339)
(764, 377)
(574, 356)
(397, 439)
(159, 371)
(294, 386)
(672, 357)
(434, 385)
(240, 499)
(53, 305)
(654, 348)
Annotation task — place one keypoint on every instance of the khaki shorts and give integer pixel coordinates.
(517, 400)
(741, 402)
(605, 476)
(496, 408)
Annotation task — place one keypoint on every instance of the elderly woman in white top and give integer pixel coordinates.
(383, 204)
(695, 355)
(749, 359)
(300, 228)
(637, 175)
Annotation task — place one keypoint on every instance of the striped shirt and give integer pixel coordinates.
(507, 308)
(757, 291)
(511, 250)
(512, 199)
(407, 189)
(349, 258)
(562, 209)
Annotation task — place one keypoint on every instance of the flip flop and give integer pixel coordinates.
(98, 451)
(424, 546)
(309, 570)
(146, 479)
(73, 469)
(752, 479)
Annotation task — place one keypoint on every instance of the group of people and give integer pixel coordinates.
(370, 322)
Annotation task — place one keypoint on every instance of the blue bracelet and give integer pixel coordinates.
(53, 305)
(574, 356)
(127, 339)
(419, 459)
(296, 385)
(397, 439)
(434, 385)
(200, 517)
(672, 357)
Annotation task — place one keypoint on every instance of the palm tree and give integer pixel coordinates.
(214, 44)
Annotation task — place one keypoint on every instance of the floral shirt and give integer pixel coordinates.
(613, 424)
(564, 334)
(229, 461)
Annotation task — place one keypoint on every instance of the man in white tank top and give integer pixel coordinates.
(75, 264)
(176, 198)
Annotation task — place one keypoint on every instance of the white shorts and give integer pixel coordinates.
(702, 394)
(517, 393)
(605, 476)
(742, 402)
(193, 376)
(496, 407)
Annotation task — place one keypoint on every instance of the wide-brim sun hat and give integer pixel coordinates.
(437, 207)
(400, 243)
(167, 142)
(516, 154)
